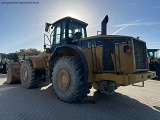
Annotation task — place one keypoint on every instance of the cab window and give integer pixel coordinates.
(56, 36)
(73, 28)
(151, 54)
(63, 31)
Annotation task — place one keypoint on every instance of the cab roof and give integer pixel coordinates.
(68, 18)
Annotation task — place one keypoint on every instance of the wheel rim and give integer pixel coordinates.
(25, 74)
(63, 79)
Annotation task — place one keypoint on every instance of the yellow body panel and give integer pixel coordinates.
(99, 56)
(87, 54)
(39, 62)
(132, 78)
(123, 62)
(123, 57)
(126, 79)
(119, 79)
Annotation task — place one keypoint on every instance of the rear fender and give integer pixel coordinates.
(72, 50)
(39, 62)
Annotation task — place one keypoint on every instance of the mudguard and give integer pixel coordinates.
(39, 62)
(84, 55)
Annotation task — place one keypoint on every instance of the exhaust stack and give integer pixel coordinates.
(104, 25)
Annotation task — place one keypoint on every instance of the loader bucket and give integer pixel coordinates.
(13, 75)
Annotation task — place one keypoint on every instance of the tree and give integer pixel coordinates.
(13, 56)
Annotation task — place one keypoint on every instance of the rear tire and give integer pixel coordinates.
(68, 79)
(27, 75)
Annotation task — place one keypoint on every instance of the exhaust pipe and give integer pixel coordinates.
(103, 25)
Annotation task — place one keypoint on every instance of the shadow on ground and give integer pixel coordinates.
(40, 104)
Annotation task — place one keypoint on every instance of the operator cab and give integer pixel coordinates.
(153, 53)
(65, 30)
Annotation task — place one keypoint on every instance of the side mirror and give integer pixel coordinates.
(47, 25)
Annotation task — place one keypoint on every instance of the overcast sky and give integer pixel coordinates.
(22, 25)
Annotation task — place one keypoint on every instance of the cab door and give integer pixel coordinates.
(59, 35)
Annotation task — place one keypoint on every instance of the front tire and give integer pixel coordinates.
(27, 75)
(68, 79)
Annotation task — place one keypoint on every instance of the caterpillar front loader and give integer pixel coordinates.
(154, 61)
(73, 62)
(13, 75)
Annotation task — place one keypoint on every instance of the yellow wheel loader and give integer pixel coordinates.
(73, 62)
(154, 60)
(13, 75)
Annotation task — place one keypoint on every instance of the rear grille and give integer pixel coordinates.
(140, 54)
